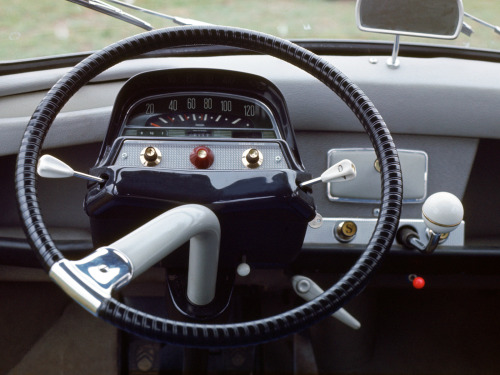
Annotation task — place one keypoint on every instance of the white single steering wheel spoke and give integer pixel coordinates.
(92, 279)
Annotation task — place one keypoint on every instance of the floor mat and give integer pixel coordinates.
(77, 343)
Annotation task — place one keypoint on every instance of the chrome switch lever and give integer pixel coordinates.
(344, 170)
(308, 290)
(51, 167)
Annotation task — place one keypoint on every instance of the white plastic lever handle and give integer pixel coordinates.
(344, 170)
(51, 167)
(308, 290)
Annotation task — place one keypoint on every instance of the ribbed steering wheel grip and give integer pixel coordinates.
(204, 335)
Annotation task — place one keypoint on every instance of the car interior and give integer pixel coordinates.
(237, 203)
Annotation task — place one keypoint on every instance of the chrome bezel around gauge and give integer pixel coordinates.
(203, 131)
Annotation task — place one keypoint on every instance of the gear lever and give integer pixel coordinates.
(442, 213)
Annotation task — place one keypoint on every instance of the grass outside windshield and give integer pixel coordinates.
(51, 27)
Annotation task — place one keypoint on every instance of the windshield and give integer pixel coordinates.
(31, 29)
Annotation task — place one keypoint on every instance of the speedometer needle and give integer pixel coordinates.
(156, 125)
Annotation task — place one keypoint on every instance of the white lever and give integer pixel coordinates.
(51, 167)
(344, 170)
(91, 280)
(159, 237)
(308, 290)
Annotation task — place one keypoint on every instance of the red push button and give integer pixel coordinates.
(202, 157)
(418, 282)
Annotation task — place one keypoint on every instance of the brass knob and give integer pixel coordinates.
(150, 156)
(346, 231)
(252, 158)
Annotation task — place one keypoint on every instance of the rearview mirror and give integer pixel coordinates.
(425, 18)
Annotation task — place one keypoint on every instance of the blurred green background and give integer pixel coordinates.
(50, 27)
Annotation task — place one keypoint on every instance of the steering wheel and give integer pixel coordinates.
(200, 334)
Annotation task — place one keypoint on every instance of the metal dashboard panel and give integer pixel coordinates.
(323, 236)
(175, 154)
(365, 188)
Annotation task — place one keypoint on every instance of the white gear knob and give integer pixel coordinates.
(442, 212)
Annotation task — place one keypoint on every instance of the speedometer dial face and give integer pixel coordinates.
(211, 115)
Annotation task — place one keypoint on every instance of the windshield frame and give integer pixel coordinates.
(320, 47)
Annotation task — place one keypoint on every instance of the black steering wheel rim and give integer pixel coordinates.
(216, 335)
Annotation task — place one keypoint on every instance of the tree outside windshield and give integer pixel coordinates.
(31, 29)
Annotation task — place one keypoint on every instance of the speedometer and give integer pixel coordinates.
(200, 114)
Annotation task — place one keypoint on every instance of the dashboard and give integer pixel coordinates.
(112, 110)
(214, 137)
(298, 128)
(208, 104)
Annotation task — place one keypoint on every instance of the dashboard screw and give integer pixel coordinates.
(317, 222)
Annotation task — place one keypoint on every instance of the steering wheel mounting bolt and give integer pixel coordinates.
(150, 156)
